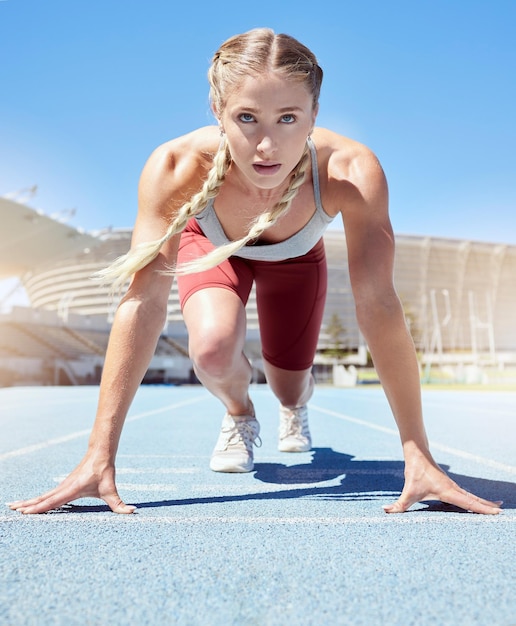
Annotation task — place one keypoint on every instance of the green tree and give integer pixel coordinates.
(335, 331)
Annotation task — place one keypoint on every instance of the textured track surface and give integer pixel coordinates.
(300, 540)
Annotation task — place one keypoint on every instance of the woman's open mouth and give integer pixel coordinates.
(267, 169)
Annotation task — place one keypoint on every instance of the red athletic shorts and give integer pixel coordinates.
(290, 296)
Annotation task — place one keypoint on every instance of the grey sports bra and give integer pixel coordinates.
(297, 245)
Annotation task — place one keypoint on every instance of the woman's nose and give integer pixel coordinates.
(266, 145)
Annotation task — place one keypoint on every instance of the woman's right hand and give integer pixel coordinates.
(88, 480)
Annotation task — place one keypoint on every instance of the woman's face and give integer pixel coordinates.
(267, 121)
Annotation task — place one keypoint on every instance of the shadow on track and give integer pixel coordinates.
(361, 481)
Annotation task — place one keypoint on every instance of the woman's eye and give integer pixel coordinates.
(288, 118)
(246, 117)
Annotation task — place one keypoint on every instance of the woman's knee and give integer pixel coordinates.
(216, 323)
(214, 353)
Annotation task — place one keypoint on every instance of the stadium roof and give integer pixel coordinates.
(29, 239)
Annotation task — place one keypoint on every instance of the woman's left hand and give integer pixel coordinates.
(429, 482)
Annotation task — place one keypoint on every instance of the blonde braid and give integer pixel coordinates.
(121, 270)
(259, 225)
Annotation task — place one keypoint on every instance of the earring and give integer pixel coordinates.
(221, 131)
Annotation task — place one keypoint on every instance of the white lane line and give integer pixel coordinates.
(44, 444)
(355, 420)
(123, 455)
(496, 411)
(231, 490)
(510, 469)
(223, 489)
(138, 518)
(124, 471)
(429, 401)
(152, 487)
(158, 470)
(48, 403)
(168, 407)
(83, 433)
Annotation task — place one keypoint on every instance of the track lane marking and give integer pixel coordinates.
(82, 433)
(510, 469)
(138, 518)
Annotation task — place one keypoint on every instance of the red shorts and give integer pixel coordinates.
(290, 296)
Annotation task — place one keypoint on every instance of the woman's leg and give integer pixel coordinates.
(290, 298)
(216, 323)
(293, 388)
(215, 318)
(213, 305)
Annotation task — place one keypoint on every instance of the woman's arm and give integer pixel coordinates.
(370, 244)
(136, 328)
(133, 338)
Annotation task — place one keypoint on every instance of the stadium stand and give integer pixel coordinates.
(458, 295)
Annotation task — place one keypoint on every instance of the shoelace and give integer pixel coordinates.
(291, 424)
(241, 432)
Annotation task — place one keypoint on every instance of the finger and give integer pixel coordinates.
(470, 502)
(63, 489)
(23, 504)
(400, 506)
(58, 497)
(393, 508)
(117, 505)
(45, 504)
(17, 504)
(496, 503)
(53, 499)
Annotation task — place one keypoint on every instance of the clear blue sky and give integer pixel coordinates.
(90, 87)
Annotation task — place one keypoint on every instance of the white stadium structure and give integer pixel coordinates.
(459, 297)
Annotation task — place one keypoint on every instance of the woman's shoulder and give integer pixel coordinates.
(192, 149)
(341, 156)
(346, 167)
(176, 169)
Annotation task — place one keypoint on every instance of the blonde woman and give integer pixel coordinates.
(243, 202)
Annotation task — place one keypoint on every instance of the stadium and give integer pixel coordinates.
(458, 296)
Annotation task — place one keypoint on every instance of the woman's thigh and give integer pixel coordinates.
(290, 297)
(213, 301)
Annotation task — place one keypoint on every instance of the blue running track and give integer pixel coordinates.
(301, 540)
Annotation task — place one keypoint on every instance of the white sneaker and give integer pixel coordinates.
(294, 434)
(234, 449)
